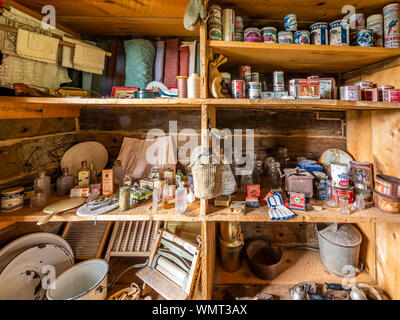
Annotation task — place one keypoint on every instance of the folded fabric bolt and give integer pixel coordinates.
(184, 61)
(89, 59)
(171, 69)
(159, 63)
(192, 55)
(31, 45)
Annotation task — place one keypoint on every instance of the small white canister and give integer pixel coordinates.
(340, 174)
(375, 23)
(193, 85)
(12, 199)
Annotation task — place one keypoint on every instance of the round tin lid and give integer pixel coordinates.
(345, 235)
(12, 191)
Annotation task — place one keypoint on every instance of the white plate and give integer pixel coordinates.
(21, 279)
(14, 248)
(92, 152)
(334, 155)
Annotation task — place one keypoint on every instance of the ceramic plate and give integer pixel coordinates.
(92, 152)
(14, 248)
(334, 155)
(21, 279)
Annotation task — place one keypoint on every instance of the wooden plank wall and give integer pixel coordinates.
(376, 138)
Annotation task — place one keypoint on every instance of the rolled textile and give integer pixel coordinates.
(171, 68)
(184, 55)
(159, 63)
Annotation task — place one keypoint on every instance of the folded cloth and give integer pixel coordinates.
(89, 59)
(184, 61)
(159, 63)
(31, 45)
(171, 69)
(192, 57)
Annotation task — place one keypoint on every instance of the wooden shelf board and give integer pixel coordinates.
(299, 266)
(269, 57)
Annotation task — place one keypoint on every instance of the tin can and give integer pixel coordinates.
(124, 199)
(302, 37)
(255, 77)
(285, 37)
(226, 83)
(290, 22)
(357, 21)
(375, 23)
(391, 25)
(228, 24)
(12, 199)
(215, 33)
(279, 81)
(244, 71)
(382, 90)
(364, 85)
(239, 25)
(319, 33)
(269, 34)
(169, 176)
(95, 187)
(320, 185)
(254, 90)
(391, 95)
(369, 95)
(252, 35)
(365, 38)
(349, 192)
(340, 174)
(239, 36)
(350, 93)
(353, 38)
(238, 89)
(339, 35)
(155, 173)
(215, 15)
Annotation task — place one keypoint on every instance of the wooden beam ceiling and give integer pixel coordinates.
(165, 17)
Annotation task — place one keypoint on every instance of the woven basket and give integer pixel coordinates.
(207, 180)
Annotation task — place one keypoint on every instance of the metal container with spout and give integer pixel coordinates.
(339, 247)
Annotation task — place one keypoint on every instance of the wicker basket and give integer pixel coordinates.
(207, 178)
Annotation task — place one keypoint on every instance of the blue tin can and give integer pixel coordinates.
(269, 34)
(290, 22)
(319, 33)
(365, 38)
(320, 184)
(339, 33)
(302, 37)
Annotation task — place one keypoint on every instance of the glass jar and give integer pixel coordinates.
(258, 174)
(283, 157)
(65, 183)
(331, 199)
(39, 199)
(118, 174)
(246, 179)
(274, 173)
(43, 183)
(344, 204)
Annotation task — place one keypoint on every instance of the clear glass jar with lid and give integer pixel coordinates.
(331, 199)
(246, 179)
(274, 172)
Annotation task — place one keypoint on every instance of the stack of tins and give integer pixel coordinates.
(387, 193)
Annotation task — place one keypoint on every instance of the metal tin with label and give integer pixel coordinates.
(391, 25)
(365, 38)
(215, 33)
(387, 185)
(239, 36)
(339, 35)
(391, 95)
(279, 81)
(254, 90)
(12, 199)
(340, 174)
(349, 192)
(238, 89)
(290, 21)
(357, 21)
(364, 84)
(252, 35)
(350, 93)
(320, 185)
(239, 24)
(285, 37)
(124, 198)
(375, 23)
(302, 37)
(319, 33)
(382, 90)
(269, 34)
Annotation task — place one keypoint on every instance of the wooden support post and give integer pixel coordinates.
(208, 234)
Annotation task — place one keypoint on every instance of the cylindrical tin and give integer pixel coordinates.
(338, 34)
(255, 77)
(365, 38)
(244, 72)
(124, 199)
(319, 33)
(269, 34)
(385, 203)
(215, 16)
(375, 23)
(239, 25)
(238, 89)
(302, 37)
(239, 36)
(230, 231)
(12, 199)
(285, 37)
(382, 90)
(364, 85)
(279, 81)
(254, 90)
(387, 185)
(226, 84)
(320, 180)
(340, 174)
(391, 25)
(353, 38)
(214, 33)
(290, 22)
(252, 35)
(228, 24)
(230, 254)
(182, 86)
(350, 93)
(391, 95)
(347, 191)
(357, 21)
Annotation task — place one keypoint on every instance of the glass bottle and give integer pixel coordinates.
(246, 179)
(330, 200)
(181, 199)
(283, 157)
(178, 178)
(39, 200)
(165, 195)
(93, 174)
(118, 175)
(43, 183)
(275, 174)
(258, 174)
(65, 183)
(344, 204)
(84, 175)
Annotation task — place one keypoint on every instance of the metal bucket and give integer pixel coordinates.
(339, 248)
(230, 255)
(230, 231)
